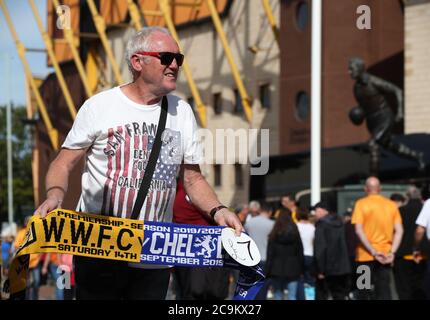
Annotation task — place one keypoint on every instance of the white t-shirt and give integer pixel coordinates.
(423, 219)
(259, 228)
(307, 234)
(120, 134)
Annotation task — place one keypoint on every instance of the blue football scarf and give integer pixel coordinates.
(196, 246)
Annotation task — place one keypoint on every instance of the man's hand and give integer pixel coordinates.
(389, 258)
(47, 206)
(380, 257)
(225, 217)
(417, 256)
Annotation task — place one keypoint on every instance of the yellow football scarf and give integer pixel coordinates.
(69, 232)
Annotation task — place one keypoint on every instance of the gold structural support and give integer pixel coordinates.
(68, 35)
(196, 10)
(134, 14)
(187, 4)
(51, 54)
(52, 132)
(100, 25)
(271, 18)
(200, 107)
(152, 13)
(35, 150)
(240, 85)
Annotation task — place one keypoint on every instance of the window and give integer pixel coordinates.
(238, 174)
(238, 107)
(302, 106)
(265, 96)
(190, 101)
(302, 15)
(217, 103)
(217, 175)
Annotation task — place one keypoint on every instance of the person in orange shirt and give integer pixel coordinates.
(34, 265)
(378, 225)
(288, 202)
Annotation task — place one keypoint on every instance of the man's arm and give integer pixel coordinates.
(397, 239)
(418, 237)
(362, 237)
(391, 88)
(57, 179)
(204, 198)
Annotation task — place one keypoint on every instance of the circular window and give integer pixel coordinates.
(302, 15)
(302, 106)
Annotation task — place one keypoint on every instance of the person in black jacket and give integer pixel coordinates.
(285, 259)
(331, 254)
(408, 275)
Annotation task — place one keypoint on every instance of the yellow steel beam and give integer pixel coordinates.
(94, 71)
(51, 54)
(196, 10)
(200, 107)
(271, 18)
(100, 25)
(35, 148)
(134, 14)
(155, 13)
(236, 75)
(52, 132)
(68, 35)
(187, 4)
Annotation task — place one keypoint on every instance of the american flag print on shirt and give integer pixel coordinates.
(127, 151)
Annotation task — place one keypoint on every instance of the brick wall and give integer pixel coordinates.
(417, 68)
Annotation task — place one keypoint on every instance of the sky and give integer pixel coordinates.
(12, 78)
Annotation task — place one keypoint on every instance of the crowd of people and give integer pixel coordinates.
(43, 269)
(377, 251)
(306, 253)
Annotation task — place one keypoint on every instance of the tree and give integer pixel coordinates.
(21, 159)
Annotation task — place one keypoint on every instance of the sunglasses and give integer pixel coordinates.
(166, 58)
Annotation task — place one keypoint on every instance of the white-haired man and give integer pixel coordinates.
(115, 130)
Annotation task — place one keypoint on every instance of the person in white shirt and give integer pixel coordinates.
(423, 227)
(253, 210)
(307, 234)
(115, 131)
(258, 229)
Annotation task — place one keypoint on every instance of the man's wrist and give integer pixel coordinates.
(56, 193)
(55, 189)
(56, 198)
(215, 210)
